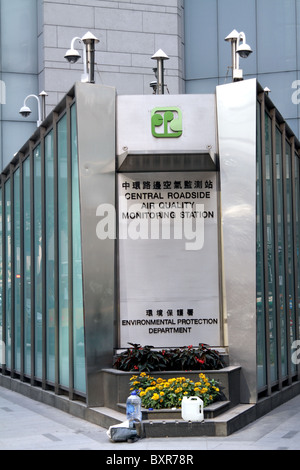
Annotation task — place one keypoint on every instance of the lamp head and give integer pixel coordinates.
(72, 56)
(25, 111)
(244, 50)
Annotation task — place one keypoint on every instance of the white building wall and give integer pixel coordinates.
(130, 32)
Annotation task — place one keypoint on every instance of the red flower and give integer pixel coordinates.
(201, 361)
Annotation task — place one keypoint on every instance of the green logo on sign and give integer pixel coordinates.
(166, 122)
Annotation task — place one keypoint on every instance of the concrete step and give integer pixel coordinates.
(211, 411)
(223, 425)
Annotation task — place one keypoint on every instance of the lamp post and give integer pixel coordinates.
(72, 56)
(239, 48)
(160, 57)
(25, 111)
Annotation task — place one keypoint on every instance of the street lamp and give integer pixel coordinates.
(160, 57)
(72, 56)
(25, 111)
(239, 48)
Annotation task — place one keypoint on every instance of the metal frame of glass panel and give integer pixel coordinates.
(23, 192)
(281, 324)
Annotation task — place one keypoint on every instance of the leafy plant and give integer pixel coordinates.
(157, 393)
(146, 359)
(140, 359)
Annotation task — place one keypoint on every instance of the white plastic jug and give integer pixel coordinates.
(192, 409)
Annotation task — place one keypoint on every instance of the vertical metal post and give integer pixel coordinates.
(12, 275)
(43, 95)
(276, 260)
(22, 350)
(285, 221)
(160, 57)
(56, 286)
(265, 249)
(4, 274)
(90, 40)
(70, 251)
(43, 230)
(32, 250)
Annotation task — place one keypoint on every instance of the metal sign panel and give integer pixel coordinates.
(168, 259)
(166, 123)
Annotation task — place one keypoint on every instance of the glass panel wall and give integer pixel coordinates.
(281, 252)
(42, 266)
(270, 248)
(297, 241)
(2, 350)
(291, 317)
(49, 253)
(78, 326)
(63, 272)
(17, 273)
(278, 209)
(38, 316)
(27, 264)
(260, 293)
(8, 316)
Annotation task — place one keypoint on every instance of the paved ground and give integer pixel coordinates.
(29, 425)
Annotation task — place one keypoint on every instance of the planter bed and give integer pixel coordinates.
(116, 384)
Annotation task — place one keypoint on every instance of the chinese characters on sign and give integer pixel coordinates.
(168, 254)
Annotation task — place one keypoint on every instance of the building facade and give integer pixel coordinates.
(275, 58)
(191, 33)
(32, 57)
(112, 208)
(98, 249)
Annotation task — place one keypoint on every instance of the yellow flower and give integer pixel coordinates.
(197, 389)
(185, 393)
(155, 396)
(142, 394)
(162, 394)
(143, 374)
